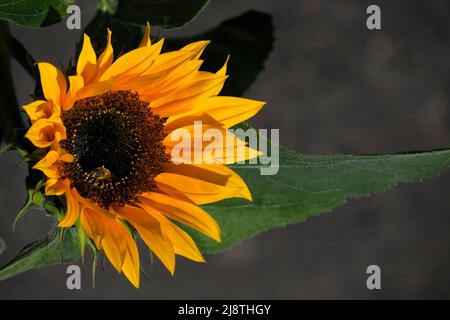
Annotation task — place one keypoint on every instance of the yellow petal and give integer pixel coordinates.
(79, 91)
(231, 111)
(89, 204)
(182, 211)
(160, 246)
(197, 190)
(168, 60)
(133, 63)
(196, 48)
(87, 60)
(76, 83)
(150, 231)
(95, 89)
(203, 86)
(219, 110)
(172, 81)
(182, 242)
(229, 155)
(106, 58)
(73, 209)
(108, 234)
(56, 187)
(53, 83)
(47, 165)
(217, 174)
(114, 243)
(93, 226)
(206, 144)
(41, 109)
(223, 71)
(146, 41)
(201, 82)
(45, 132)
(130, 267)
(63, 155)
(140, 83)
(179, 73)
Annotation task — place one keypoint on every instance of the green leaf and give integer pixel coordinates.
(248, 39)
(125, 37)
(307, 185)
(2, 245)
(43, 253)
(35, 197)
(10, 118)
(109, 6)
(6, 148)
(34, 13)
(22, 56)
(167, 14)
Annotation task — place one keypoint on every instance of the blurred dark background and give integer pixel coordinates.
(332, 86)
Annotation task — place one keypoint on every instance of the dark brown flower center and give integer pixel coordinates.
(117, 144)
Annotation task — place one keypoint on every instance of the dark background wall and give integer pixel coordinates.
(332, 86)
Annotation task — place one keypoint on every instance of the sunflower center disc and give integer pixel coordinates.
(117, 145)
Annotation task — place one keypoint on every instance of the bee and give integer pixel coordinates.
(101, 173)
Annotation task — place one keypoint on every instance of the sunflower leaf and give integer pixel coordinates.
(23, 57)
(307, 185)
(43, 253)
(248, 39)
(34, 13)
(109, 6)
(6, 148)
(126, 36)
(2, 246)
(10, 118)
(167, 14)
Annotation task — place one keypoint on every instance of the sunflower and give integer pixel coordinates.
(106, 136)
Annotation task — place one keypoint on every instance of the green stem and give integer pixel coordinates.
(6, 148)
(10, 118)
(94, 268)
